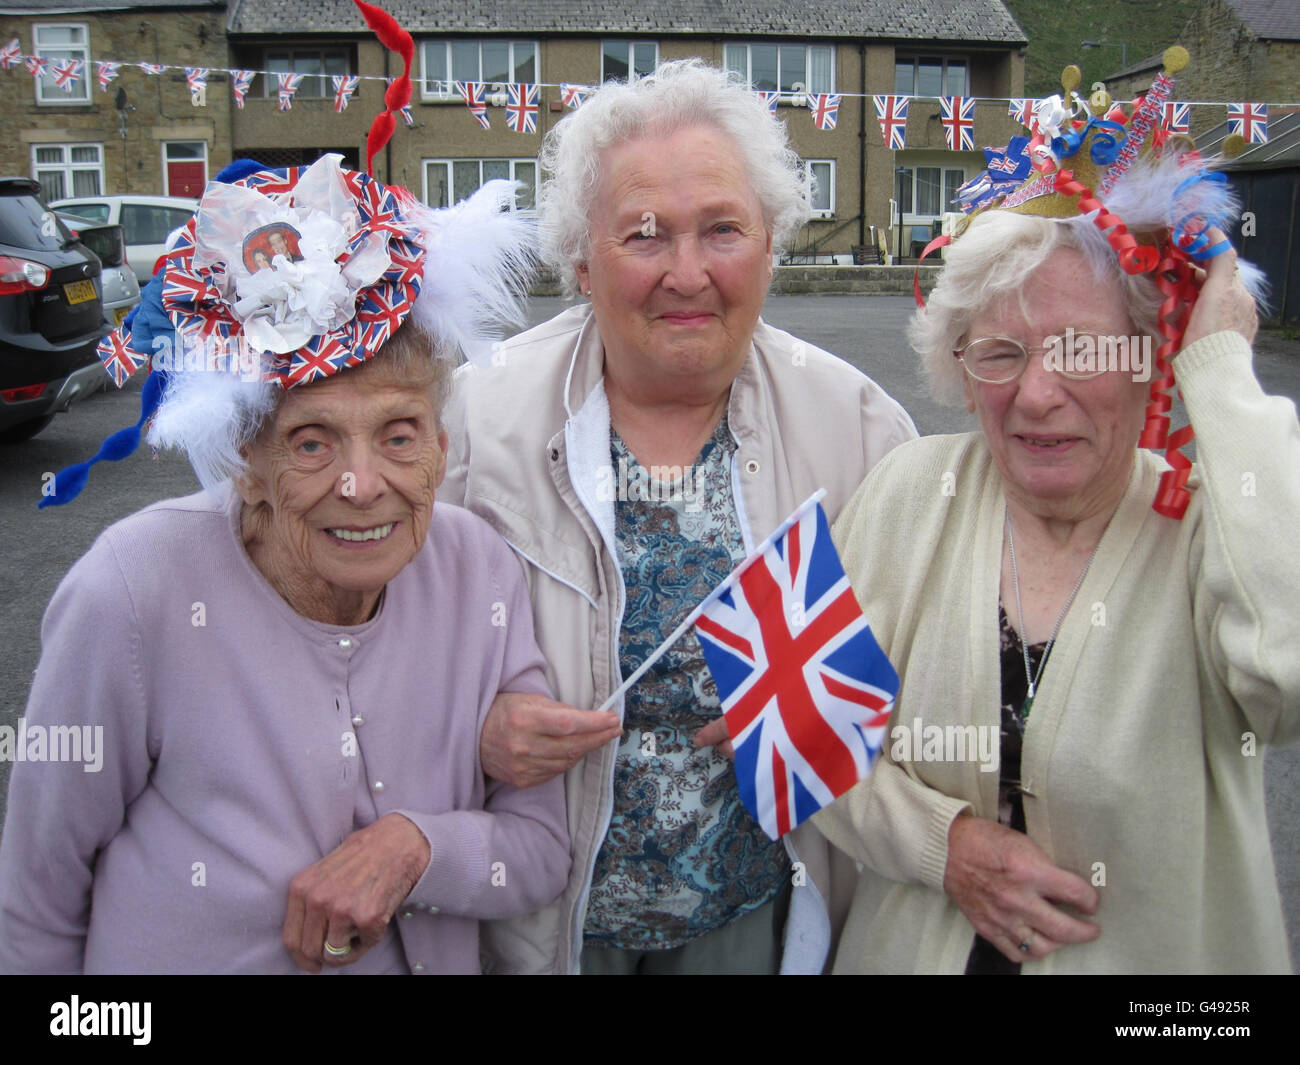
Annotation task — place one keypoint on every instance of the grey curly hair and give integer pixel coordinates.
(679, 95)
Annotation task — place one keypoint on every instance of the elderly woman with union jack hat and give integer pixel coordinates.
(284, 676)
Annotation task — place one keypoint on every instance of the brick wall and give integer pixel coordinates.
(162, 109)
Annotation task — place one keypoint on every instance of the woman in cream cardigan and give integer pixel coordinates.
(1122, 827)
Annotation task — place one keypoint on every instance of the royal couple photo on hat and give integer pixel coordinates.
(450, 710)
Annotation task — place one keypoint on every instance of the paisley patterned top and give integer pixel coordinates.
(682, 856)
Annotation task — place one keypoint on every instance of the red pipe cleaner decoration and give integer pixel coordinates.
(398, 95)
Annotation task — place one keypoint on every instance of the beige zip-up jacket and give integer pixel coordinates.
(529, 436)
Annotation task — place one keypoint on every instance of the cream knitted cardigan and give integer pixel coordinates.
(1143, 757)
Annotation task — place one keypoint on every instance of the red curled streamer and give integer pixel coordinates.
(1133, 258)
(1174, 279)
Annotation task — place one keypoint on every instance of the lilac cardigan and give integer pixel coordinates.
(243, 742)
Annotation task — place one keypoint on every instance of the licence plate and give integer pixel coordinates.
(119, 314)
(79, 291)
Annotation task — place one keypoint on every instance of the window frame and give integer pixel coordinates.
(917, 58)
(57, 97)
(448, 162)
(778, 45)
(908, 211)
(631, 43)
(822, 213)
(67, 168)
(432, 94)
(271, 83)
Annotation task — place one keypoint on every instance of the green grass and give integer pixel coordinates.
(1056, 29)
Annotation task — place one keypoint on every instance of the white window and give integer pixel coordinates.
(931, 76)
(448, 181)
(821, 174)
(780, 67)
(318, 64)
(66, 170)
(625, 60)
(492, 62)
(927, 191)
(59, 42)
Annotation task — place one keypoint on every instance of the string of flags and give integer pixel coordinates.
(522, 100)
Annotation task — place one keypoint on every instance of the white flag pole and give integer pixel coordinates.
(726, 583)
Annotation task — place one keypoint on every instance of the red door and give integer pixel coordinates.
(186, 178)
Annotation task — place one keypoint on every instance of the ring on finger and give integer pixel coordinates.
(337, 952)
(1026, 942)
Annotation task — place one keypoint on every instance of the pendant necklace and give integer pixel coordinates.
(1032, 680)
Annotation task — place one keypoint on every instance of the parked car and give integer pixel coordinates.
(121, 290)
(146, 219)
(51, 313)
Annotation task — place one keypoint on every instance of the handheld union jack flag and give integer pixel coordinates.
(1250, 120)
(769, 99)
(11, 54)
(240, 80)
(66, 75)
(37, 65)
(891, 113)
(344, 86)
(805, 689)
(521, 107)
(957, 114)
(574, 96)
(106, 72)
(1175, 118)
(825, 107)
(473, 94)
(152, 68)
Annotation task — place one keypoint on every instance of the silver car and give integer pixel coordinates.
(121, 289)
(146, 219)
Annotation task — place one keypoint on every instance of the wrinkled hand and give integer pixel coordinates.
(1006, 887)
(349, 896)
(530, 739)
(1223, 302)
(715, 734)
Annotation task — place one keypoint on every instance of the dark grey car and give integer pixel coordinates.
(51, 314)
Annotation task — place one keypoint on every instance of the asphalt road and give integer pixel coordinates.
(40, 546)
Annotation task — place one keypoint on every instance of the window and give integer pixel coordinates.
(930, 76)
(68, 170)
(927, 190)
(59, 42)
(773, 67)
(617, 58)
(319, 64)
(822, 181)
(493, 62)
(448, 181)
(147, 223)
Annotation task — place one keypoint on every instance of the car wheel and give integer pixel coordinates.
(16, 434)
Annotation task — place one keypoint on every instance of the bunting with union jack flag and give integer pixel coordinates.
(105, 72)
(37, 65)
(474, 95)
(574, 96)
(825, 107)
(344, 86)
(196, 80)
(1022, 110)
(11, 54)
(240, 80)
(287, 86)
(67, 74)
(1175, 118)
(805, 689)
(521, 107)
(769, 99)
(1250, 120)
(957, 113)
(891, 113)
(152, 68)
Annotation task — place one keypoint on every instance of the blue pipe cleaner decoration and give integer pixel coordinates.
(1199, 248)
(147, 321)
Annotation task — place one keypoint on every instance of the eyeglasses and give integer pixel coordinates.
(1001, 360)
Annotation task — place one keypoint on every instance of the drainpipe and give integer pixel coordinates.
(862, 142)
